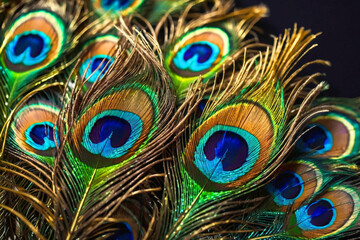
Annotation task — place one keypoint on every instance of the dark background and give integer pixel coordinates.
(339, 22)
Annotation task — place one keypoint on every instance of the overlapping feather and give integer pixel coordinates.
(189, 130)
(203, 45)
(240, 139)
(35, 36)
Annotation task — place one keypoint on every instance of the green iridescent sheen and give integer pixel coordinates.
(18, 79)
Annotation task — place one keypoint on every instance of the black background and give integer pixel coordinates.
(339, 22)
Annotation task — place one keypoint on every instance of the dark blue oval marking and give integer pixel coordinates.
(319, 214)
(41, 136)
(95, 67)
(225, 153)
(112, 133)
(316, 139)
(197, 56)
(228, 146)
(28, 48)
(115, 128)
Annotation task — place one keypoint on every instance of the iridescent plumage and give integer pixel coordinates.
(168, 119)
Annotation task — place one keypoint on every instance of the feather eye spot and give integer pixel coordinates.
(286, 188)
(331, 135)
(94, 68)
(228, 146)
(322, 213)
(36, 39)
(115, 128)
(112, 133)
(41, 136)
(28, 48)
(318, 215)
(226, 153)
(97, 58)
(196, 57)
(199, 52)
(315, 138)
(331, 212)
(296, 182)
(34, 132)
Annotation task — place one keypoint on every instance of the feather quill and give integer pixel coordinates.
(235, 145)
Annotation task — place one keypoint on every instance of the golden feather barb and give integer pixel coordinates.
(240, 139)
(113, 148)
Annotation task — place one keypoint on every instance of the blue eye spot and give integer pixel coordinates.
(116, 129)
(289, 184)
(197, 56)
(124, 232)
(203, 51)
(116, 5)
(228, 146)
(286, 188)
(318, 215)
(39, 132)
(226, 153)
(316, 139)
(112, 133)
(41, 136)
(321, 213)
(28, 48)
(96, 67)
(101, 63)
(35, 42)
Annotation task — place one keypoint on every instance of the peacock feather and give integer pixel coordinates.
(35, 35)
(34, 131)
(236, 143)
(134, 119)
(332, 134)
(202, 46)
